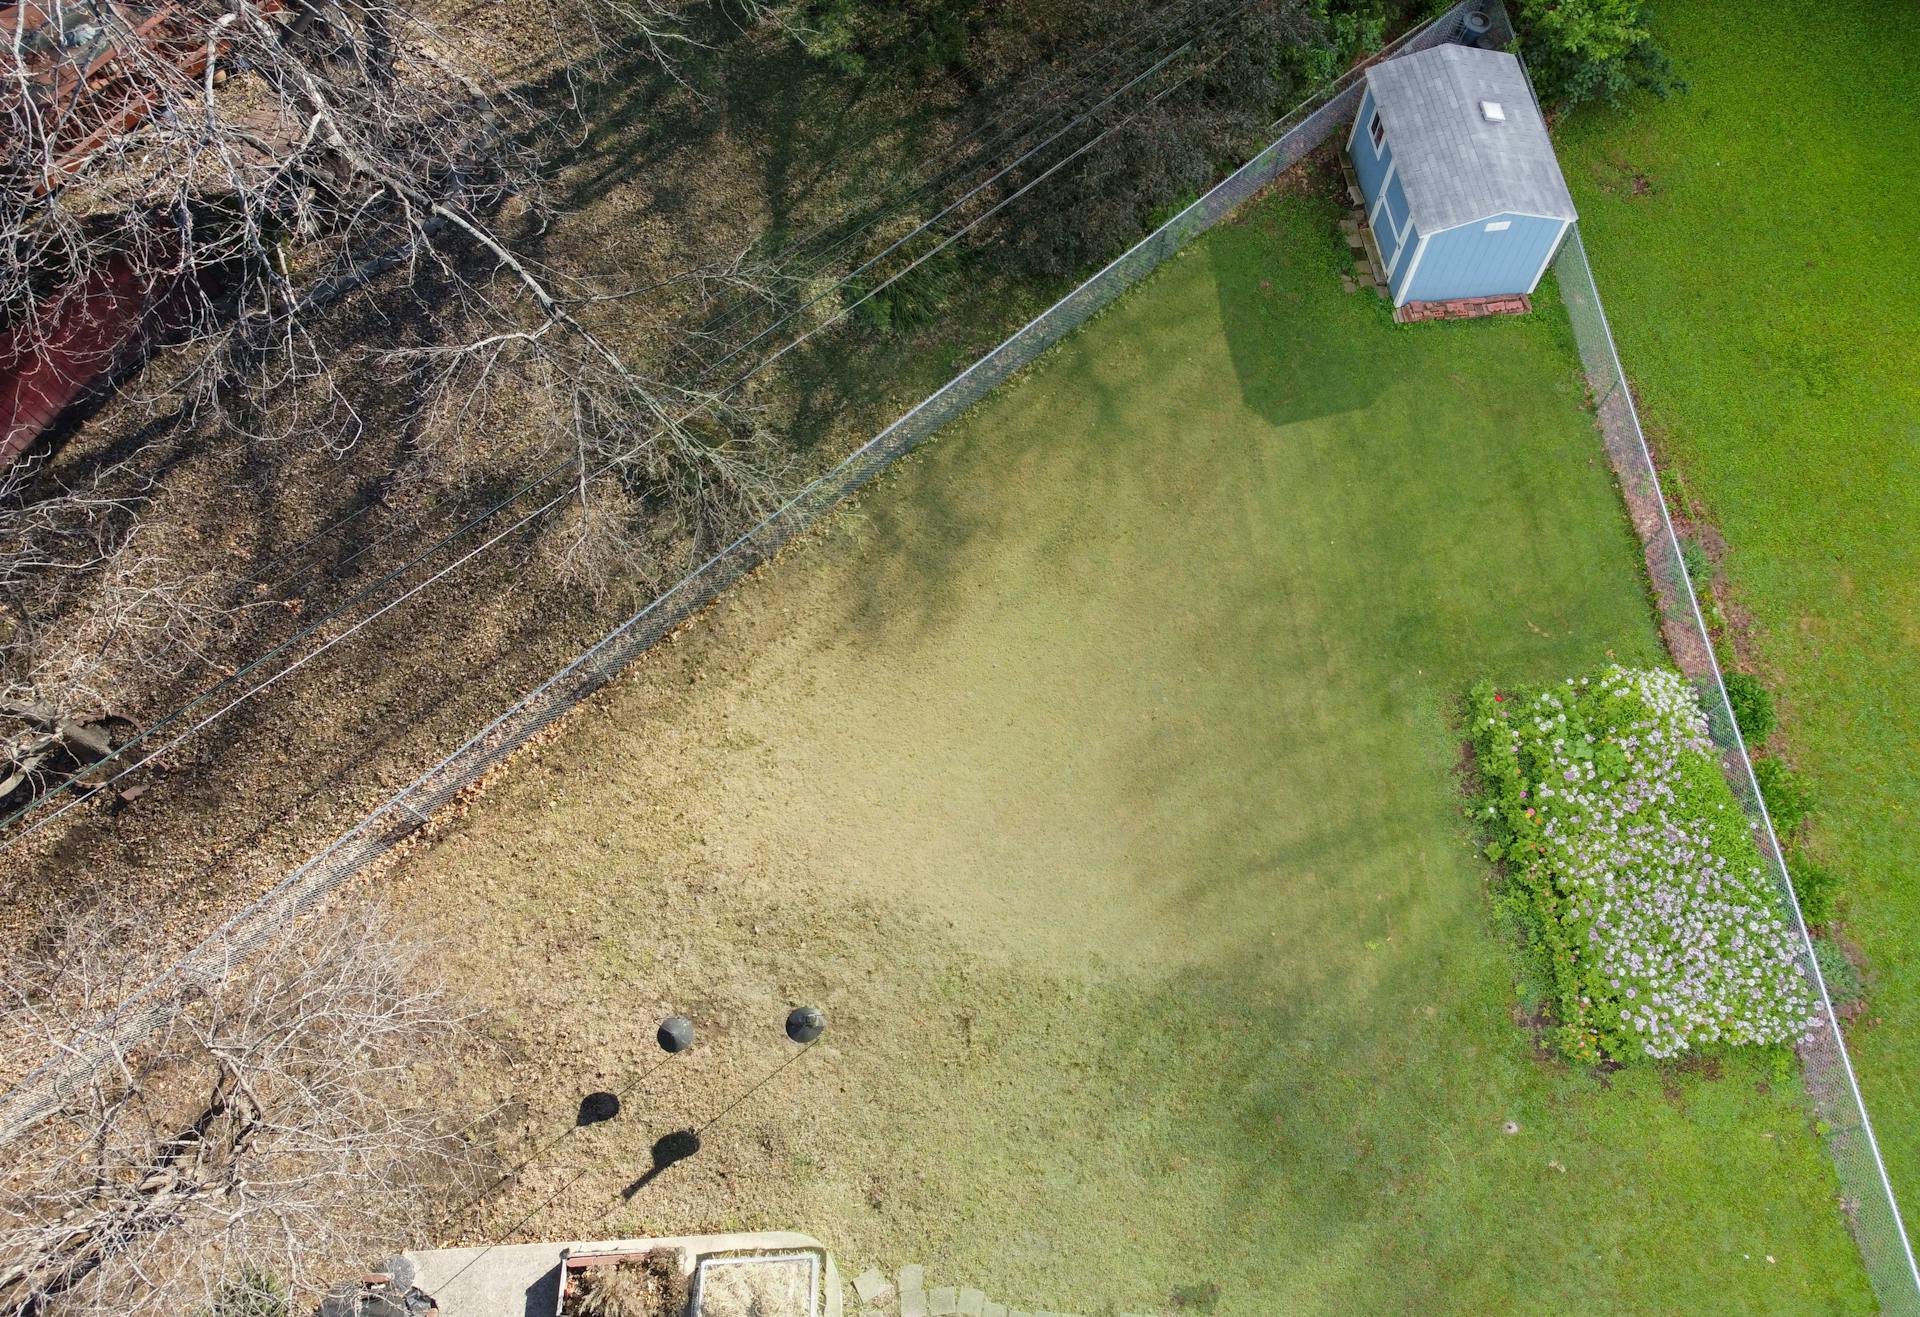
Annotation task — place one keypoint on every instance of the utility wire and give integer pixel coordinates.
(945, 211)
(1117, 51)
(68, 785)
(846, 280)
(226, 930)
(1136, 39)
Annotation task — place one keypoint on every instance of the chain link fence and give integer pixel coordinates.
(46, 1089)
(1866, 1195)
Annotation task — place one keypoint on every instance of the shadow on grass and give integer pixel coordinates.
(1293, 337)
(667, 1150)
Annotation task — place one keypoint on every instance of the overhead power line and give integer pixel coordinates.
(1097, 70)
(72, 784)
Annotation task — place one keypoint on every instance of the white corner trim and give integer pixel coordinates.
(1553, 249)
(1400, 293)
(1364, 113)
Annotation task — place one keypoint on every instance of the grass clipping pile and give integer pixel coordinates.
(1649, 911)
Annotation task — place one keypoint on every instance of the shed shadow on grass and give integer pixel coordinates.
(1279, 301)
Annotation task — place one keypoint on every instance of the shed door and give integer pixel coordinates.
(1389, 243)
(1389, 221)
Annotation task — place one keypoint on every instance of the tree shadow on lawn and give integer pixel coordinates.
(1132, 573)
(1039, 488)
(1226, 1060)
(1267, 1026)
(1307, 772)
(1135, 427)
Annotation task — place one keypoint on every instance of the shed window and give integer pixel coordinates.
(1499, 226)
(1377, 131)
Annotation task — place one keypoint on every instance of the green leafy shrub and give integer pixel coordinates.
(1172, 206)
(1816, 886)
(1699, 566)
(1844, 986)
(1347, 31)
(830, 31)
(1645, 893)
(1583, 50)
(911, 39)
(1174, 145)
(1789, 800)
(1752, 706)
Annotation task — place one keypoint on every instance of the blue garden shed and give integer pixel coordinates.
(1463, 193)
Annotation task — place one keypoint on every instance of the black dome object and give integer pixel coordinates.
(676, 1034)
(805, 1023)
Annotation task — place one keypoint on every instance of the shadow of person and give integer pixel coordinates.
(667, 1149)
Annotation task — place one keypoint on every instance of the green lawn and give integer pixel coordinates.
(1761, 288)
(1096, 772)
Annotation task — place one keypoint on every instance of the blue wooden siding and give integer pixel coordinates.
(1393, 215)
(1390, 220)
(1468, 261)
(1369, 168)
(1388, 244)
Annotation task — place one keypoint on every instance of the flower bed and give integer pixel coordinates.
(1635, 869)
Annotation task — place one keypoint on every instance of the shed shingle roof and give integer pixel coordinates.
(1455, 166)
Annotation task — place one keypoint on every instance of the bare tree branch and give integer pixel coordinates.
(279, 1126)
(208, 177)
(89, 596)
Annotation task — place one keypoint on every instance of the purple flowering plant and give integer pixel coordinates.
(1637, 878)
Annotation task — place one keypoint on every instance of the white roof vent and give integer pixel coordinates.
(1492, 112)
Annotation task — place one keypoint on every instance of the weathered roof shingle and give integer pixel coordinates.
(1457, 167)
